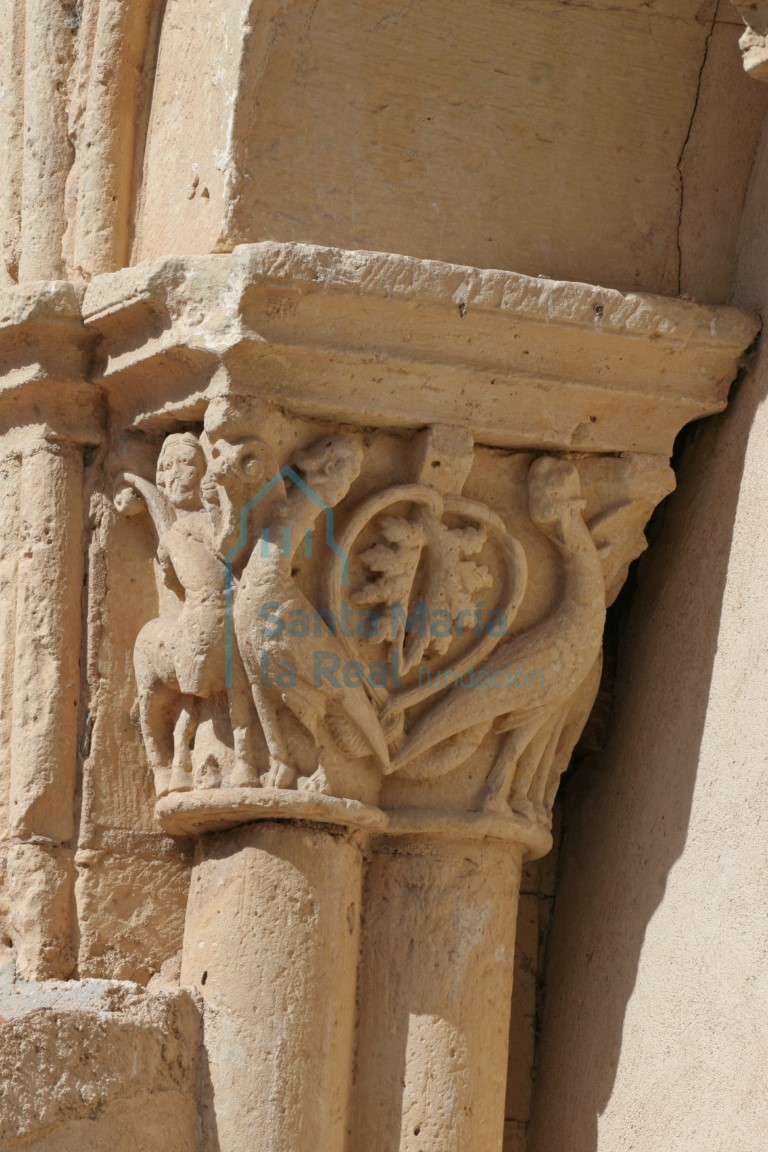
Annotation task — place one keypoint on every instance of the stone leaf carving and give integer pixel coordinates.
(561, 652)
(451, 582)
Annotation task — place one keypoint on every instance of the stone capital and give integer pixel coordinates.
(45, 358)
(392, 499)
(754, 41)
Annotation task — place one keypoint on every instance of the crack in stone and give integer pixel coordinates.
(684, 147)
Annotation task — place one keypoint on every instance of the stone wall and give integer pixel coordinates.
(610, 143)
(656, 973)
(96, 1064)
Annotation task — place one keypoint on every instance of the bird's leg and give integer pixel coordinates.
(536, 745)
(281, 774)
(504, 772)
(244, 773)
(539, 787)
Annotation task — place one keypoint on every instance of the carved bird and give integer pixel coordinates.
(556, 655)
(306, 673)
(302, 670)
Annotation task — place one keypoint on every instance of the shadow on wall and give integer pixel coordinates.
(208, 1130)
(626, 811)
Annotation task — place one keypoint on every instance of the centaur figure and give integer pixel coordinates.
(180, 661)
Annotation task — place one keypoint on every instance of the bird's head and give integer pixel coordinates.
(554, 497)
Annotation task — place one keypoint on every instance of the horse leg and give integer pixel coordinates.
(158, 696)
(183, 742)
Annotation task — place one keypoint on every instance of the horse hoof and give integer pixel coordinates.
(181, 781)
(162, 781)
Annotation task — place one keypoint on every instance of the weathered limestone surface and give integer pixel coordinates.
(557, 139)
(753, 41)
(49, 415)
(259, 366)
(661, 990)
(724, 133)
(278, 442)
(288, 899)
(429, 1037)
(447, 106)
(46, 674)
(96, 1065)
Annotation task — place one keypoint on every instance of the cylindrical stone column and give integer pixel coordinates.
(46, 674)
(272, 942)
(435, 996)
(49, 46)
(44, 717)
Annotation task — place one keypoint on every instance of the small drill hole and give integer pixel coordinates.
(204, 977)
(417, 1130)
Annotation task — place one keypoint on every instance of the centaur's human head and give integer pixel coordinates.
(180, 468)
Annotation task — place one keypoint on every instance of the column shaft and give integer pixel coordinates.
(272, 942)
(436, 989)
(46, 676)
(48, 153)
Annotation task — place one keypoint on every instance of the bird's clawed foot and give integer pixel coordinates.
(497, 805)
(317, 782)
(522, 806)
(280, 775)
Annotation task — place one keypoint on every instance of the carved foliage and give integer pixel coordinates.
(400, 656)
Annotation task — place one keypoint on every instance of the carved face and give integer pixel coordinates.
(235, 473)
(179, 470)
(331, 466)
(554, 493)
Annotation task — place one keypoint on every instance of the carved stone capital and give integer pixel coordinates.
(45, 354)
(352, 529)
(754, 41)
(390, 501)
